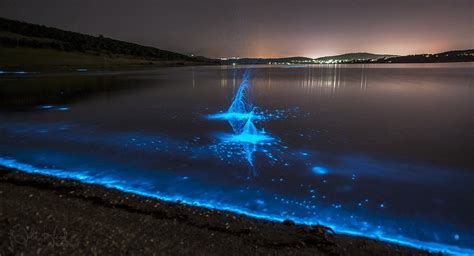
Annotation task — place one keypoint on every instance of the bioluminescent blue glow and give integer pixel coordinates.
(284, 148)
(257, 115)
(142, 186)
(235, 116)
(319, 170)
(249, 139)
(240, 105)
(241, 116)
(52, 107)
(316, 208)
(246, 138)
(13, 72)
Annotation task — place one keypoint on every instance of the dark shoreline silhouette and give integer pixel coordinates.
(29, 46)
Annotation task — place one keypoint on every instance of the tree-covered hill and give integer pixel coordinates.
(362, 56)
(450, 56)
(22, 34)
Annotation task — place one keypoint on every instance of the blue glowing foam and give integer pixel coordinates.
(318, 170)
(111, 182)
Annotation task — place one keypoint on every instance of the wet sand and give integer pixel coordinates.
(42, 215)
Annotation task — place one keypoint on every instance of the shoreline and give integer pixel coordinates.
(94, 69)
(47, 215)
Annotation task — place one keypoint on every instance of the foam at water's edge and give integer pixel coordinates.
(111, 182)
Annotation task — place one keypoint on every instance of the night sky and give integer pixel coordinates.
(263, 28)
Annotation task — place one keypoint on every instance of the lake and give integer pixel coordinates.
(383, 151)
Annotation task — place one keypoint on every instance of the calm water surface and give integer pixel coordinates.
(380, 150)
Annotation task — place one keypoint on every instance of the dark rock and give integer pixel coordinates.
(288, 222)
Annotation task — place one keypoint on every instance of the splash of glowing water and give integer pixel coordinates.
(249, 138)
(240, 116)
(249, 134)
(249, 127)
(240, 110)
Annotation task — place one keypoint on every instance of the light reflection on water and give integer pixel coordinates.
(373, 150)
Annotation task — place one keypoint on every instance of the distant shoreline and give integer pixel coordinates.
(37, 60)
(26, 46)
(21, 61)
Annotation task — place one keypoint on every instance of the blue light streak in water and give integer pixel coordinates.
(52, 107)
(318, 170)
(235, 116)
(249, 141)
(241, 105)
(258, 115)
(246, 138)
(13, 72)
(132, 187)
(249, 138)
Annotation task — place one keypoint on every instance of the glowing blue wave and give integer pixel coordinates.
(246, 138)
(338, 216)
(139, 189)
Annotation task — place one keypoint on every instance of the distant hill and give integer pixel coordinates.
(343, 58)
(361, 56)
(251, 61)
(29, 46)
(16, 36)
(450, 56)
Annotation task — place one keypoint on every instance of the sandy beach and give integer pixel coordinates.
(44, 215)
